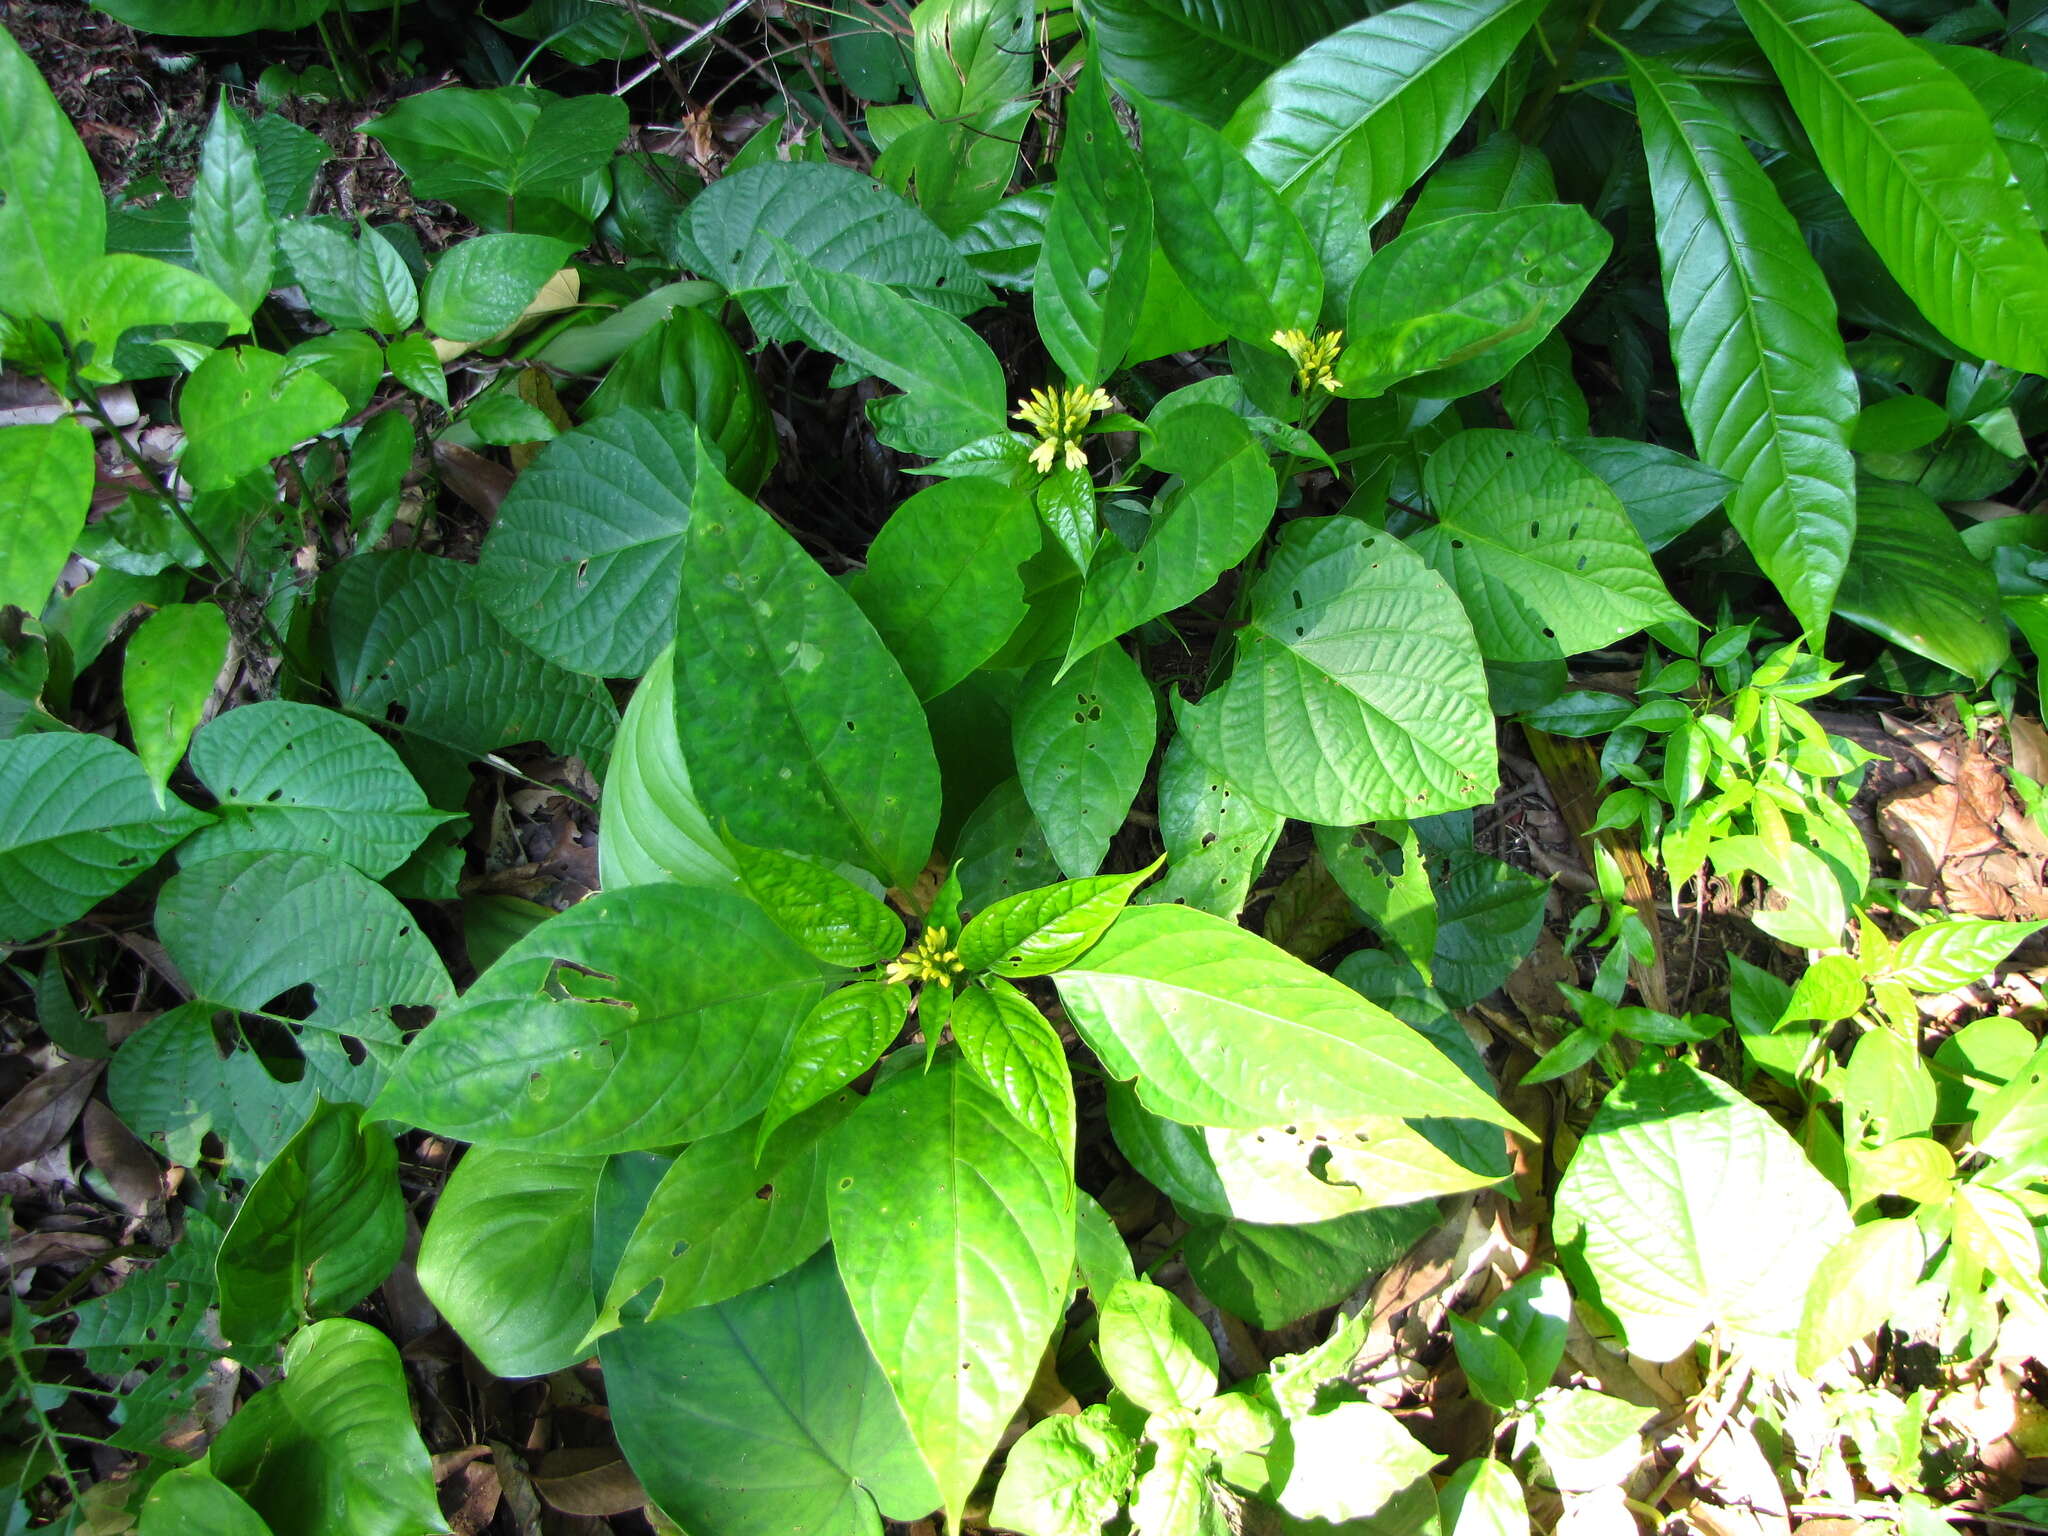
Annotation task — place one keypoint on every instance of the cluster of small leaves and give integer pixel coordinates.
(923, 872)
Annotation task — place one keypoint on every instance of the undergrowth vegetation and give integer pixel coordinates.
(850, 792)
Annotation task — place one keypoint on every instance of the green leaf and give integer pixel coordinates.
(831, 216)
(1913, 155)
(941, 585)
(331, 1450)
(721, 1223)
(1685, 1206)
(53, 218)
(835, 920)
(354, 365)
(971, 55)
(1350, 1462)
(595, 1033)
(1221, 501)
(414, 364)
(79, 819)
(1588, 1439)
(483, 286)
(217, 18)
(135, 317)
(1067, 1476)
(584, 560)
(690, 363)
(242, 407)
(172, 1083)
(1082, 742)
(1483, 1498)
(801, 730)
(842, 1036)
(1358, 693)
(951, 381)
(190, 1501)
(1534, 1316)
(506, 1258)
(1541, 395)
(1174, 1495)
(249, 927)
(1912, 581)
(1273, 1275)
(1538, 548)
(361, 283)
(1450, 308)
(47, 472)
(296, 778)
(1202, 56)
(1001, 850)
(1241, 252)
(1201, 1012)
(1953, 952)
(1663, 491)
(954, 1225)
(2009, 90)
(1035, 933)
(1347, 125)
(1009, 1044)
(1382, 872)
(1156, 1350)
(1216, 840)
(1762, 375)
(1857, 1287)
(407, 636)
(765, 1415)
(1088, 288)
(232, 231)
(1491, 1366)
(315, 1234)
(654, 829)
(1501, 173)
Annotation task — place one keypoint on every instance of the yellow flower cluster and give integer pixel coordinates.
(1059, 416)
(1315, 357)
(930, 959)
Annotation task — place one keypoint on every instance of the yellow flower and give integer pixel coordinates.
(1059, 416)
(1315, 357)
(928, 960)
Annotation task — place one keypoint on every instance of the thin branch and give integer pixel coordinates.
(688, 41)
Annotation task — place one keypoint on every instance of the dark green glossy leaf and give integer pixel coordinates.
(1203, 56)
(315, 1234)
(1912, 581)
(800, 729)
(1663, 491)
(1762, 375)
(1035, 933)
(840, 1038)
(1501, 173)
(1272, 1275)
(690, 363)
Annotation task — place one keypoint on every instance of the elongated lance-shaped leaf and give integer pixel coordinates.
(1346, 126)
(1913, 154)
(1089, 286)
(1762, 373)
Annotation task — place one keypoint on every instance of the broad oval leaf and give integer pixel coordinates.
(1501, 173)
(1762, 374)
(1012, 1048)
(1221, 1028)
(79, 819)
(1953, 952)
(1686, 1205)
(506, 1258)
(316, 1232)
(1913, 155)
(690, 363)
(765, 1415)
(722, 1222)
(1155, 1349)
(585, 557)
(167, 675)
(1358, 693)
(190, 1501)
(1538, 548)
(800, 730)
(1857, 1286)
(1347, 125)
(831, 216)
(243, 407)
(1241, 252)
(954, 1226)
(1274, 1275)
(295, 778)
(1067, 1476)
(47, 468)
(484, 284)
(595, 1033)
(654, 829)
(410, 642)
(1082, 738)
(1912, 580)
(942, 586)
(331, 1449)
(217, 18)
(137, 317)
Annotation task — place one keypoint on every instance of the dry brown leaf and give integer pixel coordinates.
(129, 1166)
(1533, 984)
(588, 1480)
(42, 1114)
